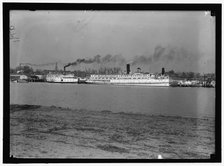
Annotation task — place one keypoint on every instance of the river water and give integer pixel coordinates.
(190, 102)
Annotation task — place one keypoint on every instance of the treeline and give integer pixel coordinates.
(22, 69)
(27, 70)
(190, 75)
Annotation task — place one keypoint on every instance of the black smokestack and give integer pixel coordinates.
(128, 68)
(163, 71)
(67, 66)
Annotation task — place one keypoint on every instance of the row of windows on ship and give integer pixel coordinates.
(124, 76)
(117, 78)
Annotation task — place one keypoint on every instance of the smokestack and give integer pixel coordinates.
(67, 66)
(128, 68)
(163, 71)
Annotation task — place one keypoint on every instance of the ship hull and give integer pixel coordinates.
(130, 84)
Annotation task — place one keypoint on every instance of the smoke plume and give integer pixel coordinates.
(169, 57)
(115, 60)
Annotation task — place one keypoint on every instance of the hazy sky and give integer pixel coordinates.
(182, 41)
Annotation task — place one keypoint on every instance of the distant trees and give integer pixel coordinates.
(171, 72)
(80, 73)
(12, 71)
(28, 70)
(190, 75)
(38, 72)
(24, 69)
(105, 70)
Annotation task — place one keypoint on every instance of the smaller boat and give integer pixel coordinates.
(61, 78)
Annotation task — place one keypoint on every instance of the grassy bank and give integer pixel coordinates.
(54, 132)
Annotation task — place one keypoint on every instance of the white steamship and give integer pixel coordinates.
(131, 79)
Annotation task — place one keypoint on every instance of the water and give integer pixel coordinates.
(191, 102)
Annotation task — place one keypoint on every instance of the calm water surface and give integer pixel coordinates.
(193, 102)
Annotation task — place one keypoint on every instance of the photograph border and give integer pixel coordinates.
(215, 10)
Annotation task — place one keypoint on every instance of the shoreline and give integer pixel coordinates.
(54, 132)
(121, 85)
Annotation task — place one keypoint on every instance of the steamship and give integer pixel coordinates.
(61, 78)
(131, 79)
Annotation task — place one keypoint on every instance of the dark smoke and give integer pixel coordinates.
(162, 56)
(141, 60)
(157, 56)
(116, 59)
(158, 53)
(165, 54)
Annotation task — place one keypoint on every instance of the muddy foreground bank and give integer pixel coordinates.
(54, 132)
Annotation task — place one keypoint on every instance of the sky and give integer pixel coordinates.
(182, 41)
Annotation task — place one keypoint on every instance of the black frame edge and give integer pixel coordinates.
(215, 9)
